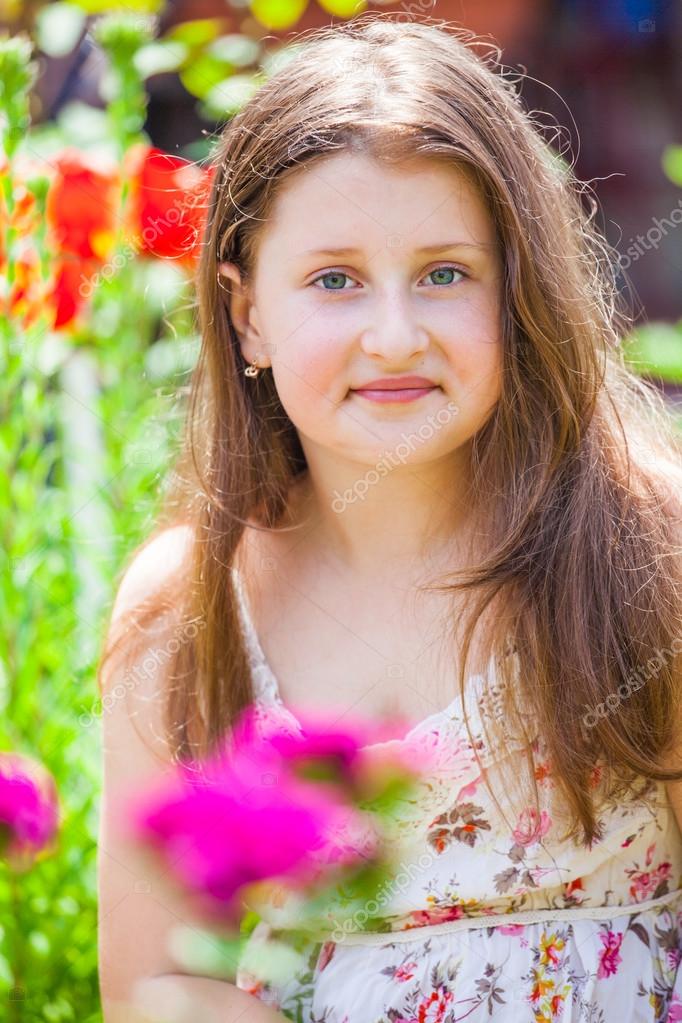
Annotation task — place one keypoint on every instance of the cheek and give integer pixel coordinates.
(476, 348)
(309, 369)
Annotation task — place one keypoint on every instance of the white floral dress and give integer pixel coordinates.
(490, 922)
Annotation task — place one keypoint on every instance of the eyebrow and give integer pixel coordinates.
(438, 247)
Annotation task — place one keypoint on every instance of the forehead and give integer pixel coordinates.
(352, 200)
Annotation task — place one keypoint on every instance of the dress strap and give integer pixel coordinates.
(264, 682)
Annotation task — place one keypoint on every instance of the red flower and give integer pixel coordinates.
(573, 886)
(25, 298)
(168, 203)
(434, 1008)
(82, 205)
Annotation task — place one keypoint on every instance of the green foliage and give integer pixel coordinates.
(17, 75)
(655, 350)
(672, 163)
(70, 515)
(122, 36)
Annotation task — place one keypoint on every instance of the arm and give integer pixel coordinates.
(176, 997)
(139, 906)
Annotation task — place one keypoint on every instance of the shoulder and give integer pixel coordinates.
(153, 566)
(145, 608)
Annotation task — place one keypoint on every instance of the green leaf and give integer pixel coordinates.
(204, 952)
(229, 96)
(157, 58)
(195, 33)
(248, 922)
(278, 14)
(202, 73)
(343, 8)
(672, 163)
(59, 27)
(238, 50)
(656, 350)
(107, 6)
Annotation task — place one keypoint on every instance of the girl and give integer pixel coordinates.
(420, 479)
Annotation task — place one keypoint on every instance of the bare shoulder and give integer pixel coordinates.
(153, 565)
(144, 588)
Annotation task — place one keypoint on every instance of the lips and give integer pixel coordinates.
(396, 384)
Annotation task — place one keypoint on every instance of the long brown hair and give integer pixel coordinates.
(582, 539)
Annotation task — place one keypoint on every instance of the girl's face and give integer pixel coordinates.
(415, 291)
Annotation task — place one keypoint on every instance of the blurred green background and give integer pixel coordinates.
(92, 397)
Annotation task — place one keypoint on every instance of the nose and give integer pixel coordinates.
(395, 335)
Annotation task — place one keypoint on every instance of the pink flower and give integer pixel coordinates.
(645, 883)
(250, 813)
(29, 810)
(675, 1010)
(610, 957)
(511, 929)
(359, 760)
(531, 827)
(673, 958)
(405, 972)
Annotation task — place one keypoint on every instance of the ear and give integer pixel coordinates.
(242, 313)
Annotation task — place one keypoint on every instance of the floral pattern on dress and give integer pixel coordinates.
(585, 941)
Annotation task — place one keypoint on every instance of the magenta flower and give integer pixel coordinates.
(610, 957)
(248, 814)
(675, 1010)
(29, 810)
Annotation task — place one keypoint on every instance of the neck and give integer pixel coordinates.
(373, 525)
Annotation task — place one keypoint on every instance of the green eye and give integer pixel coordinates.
(445, 270)
(332, 274)
(339, 277)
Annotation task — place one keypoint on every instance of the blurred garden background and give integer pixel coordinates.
(108, 113)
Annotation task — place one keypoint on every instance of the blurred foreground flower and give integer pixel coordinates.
(276, 817)
(29, 810)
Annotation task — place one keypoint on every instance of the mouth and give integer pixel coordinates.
(385, 395)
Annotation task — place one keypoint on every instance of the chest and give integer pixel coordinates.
(364, 650)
